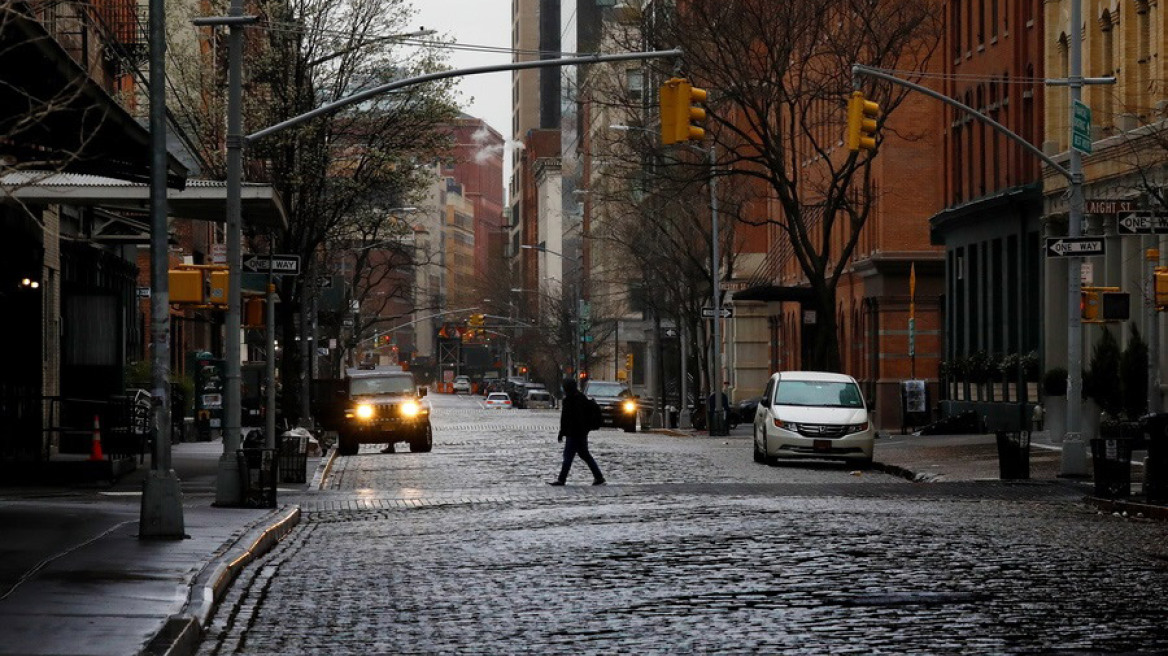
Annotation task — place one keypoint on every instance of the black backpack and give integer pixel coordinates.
(592, 412)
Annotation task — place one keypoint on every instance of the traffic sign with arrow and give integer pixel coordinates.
(708, 312)
(1141, 222)
(1074, 246)
(282, 265)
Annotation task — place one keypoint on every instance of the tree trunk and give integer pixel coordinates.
(825, 351)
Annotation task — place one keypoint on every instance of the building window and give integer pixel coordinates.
(994, 19)
(956, 34)
(635, 79)
(1107, 106)
(981, 12)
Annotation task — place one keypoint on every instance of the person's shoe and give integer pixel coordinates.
(557, 483)
(599, 481)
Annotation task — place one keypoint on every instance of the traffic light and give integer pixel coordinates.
(629, 362)
(681, 120)
(476, 320)
(862, 114)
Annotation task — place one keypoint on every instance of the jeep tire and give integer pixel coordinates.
(423, 442)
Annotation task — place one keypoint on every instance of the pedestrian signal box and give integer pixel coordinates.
(186, 286)
(1104, 305)
(1162, 289)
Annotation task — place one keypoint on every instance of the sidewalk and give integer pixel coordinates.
(75, 579)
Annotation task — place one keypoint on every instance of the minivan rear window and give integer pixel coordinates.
(820, 394)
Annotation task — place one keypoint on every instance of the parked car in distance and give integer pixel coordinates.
(497, 400)
(618, 405)
(539, 399)
(812, 414)
(746, 409)
(461, 385)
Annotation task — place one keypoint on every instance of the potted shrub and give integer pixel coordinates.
(979, 372)
(1009, 366)
(1054, 402)
(959, 376)
(1030, 364)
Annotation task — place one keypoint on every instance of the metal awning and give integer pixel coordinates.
(775, 294)
(200, 200)
(52, 111)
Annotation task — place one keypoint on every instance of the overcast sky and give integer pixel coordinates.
(476, 22)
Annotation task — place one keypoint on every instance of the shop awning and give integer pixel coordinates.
(200, 200)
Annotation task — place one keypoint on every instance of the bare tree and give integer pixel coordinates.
(779, 75)
(334, 172)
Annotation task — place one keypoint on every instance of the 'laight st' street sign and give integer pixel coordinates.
(1072, 246)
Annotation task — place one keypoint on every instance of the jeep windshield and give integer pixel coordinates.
(368, 386)
(605, 389)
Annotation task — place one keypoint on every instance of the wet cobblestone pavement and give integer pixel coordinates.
(692, 549)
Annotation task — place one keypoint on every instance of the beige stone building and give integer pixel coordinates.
(1129, 158)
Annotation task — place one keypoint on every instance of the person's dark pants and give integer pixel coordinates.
(578, 446)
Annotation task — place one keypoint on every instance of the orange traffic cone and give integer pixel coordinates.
(95, 449)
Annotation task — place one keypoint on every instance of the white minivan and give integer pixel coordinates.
(813, 414)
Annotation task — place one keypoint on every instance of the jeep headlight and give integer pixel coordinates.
(629, 407)
(410, 409)
(364, 411)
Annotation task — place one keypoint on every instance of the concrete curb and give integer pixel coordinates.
(1128, 508)
(323, 469)
(182, 633)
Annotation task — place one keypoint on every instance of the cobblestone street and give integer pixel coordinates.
(691, 548)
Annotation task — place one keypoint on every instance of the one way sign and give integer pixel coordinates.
(1074, 246)
(708, 312)
(282, 265)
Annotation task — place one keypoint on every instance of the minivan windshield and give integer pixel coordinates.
(821, 394)
(381, 385)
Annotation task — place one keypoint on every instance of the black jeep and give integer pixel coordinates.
(384, 406)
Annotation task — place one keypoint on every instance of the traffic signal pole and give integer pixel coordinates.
(1074, 453)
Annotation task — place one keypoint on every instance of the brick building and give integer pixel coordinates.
(990, 227)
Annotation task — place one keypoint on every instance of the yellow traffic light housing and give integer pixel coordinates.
(1104, 305)
(1090, 305)
(862, 115)
(681, 119)
(1162, 288)
(629, 362)
(186, 286)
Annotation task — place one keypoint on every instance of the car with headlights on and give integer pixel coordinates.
(497, 400)
(384, 406)
(619, 407)
(812, 414)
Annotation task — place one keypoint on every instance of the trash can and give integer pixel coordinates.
(1111, 458)
(1155, 429)
(257, 472)
(1013, 455)
(672, 413)
(293, 459)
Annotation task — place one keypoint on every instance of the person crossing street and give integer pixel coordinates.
(579, 415)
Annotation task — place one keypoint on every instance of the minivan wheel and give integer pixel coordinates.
(759, 456)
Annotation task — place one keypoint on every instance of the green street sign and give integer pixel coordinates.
(1081, 128)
